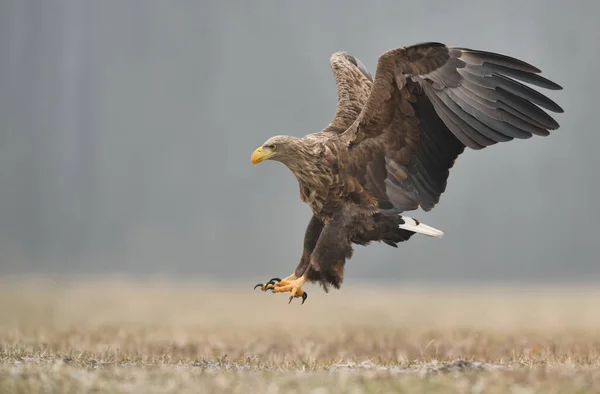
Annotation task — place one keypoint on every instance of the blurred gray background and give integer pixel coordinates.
(126, 129)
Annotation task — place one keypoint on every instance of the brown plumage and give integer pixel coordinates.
(392, 142)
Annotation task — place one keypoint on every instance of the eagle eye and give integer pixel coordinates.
(271, 146)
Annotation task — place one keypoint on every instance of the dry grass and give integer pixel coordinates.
(159, 336)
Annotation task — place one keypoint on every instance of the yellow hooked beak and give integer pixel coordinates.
(261, 154)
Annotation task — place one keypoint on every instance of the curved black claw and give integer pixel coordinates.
(271, 282)
(304, 297)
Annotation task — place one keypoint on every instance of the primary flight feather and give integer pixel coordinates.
(392, 142)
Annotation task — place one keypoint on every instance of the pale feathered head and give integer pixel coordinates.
(282, 148)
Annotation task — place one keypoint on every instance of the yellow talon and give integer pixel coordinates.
(291, 284)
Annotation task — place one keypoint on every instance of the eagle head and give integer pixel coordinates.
(282, 148)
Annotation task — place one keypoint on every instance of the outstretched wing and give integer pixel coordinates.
(353, 84)
(428, 102)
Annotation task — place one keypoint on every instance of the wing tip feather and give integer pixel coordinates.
(353, 60)
(513, 61)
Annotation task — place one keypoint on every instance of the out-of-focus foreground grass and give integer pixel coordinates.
(77, 335)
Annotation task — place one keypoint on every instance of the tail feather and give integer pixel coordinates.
(414, 225)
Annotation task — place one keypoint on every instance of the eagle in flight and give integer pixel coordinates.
(392, 142)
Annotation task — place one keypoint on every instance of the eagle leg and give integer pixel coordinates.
(291, 284)
(294, 287)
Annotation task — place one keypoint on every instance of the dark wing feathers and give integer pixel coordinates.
(498, 81)
(426, 104)
(479, 58)
(534, 79)
(437, 152)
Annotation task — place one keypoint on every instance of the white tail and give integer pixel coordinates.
(411, 224)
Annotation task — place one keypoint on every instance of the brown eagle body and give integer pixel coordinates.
(392, 142)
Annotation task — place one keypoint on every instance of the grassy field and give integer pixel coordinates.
(111, 336)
